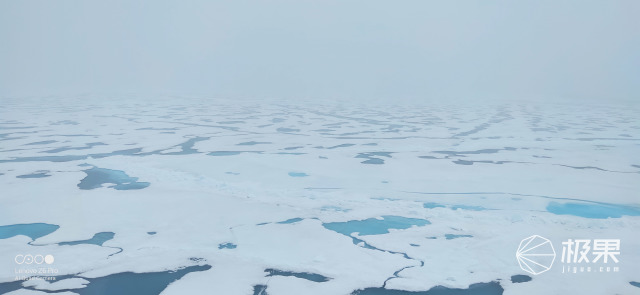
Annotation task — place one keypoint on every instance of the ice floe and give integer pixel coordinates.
(250, 198)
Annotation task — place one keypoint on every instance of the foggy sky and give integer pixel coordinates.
(323, 49)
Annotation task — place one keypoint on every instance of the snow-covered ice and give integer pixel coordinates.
(298, 198)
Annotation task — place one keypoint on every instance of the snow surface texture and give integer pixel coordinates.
(241, 198)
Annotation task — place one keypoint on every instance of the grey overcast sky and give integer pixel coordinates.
(324, 49)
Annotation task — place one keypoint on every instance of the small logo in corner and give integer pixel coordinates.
(33, 259)
(535, 254)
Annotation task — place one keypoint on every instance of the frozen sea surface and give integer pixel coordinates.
(593, 210)
(175, 196)
(33, 230)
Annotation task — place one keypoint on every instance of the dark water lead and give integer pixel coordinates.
(374, 154)
(371, 157)
(463, 162)
(635, 284)
(593, 210)
(253, 142)
(520, 278)
(98, 239)
(227, 246)
(314, 277)
(37, 174)
(70, 148)
(374, 161)
(381, 154)
(231, 122)
(477, 152)
(96, 177)
(428, 157)
(187, 146)
(373, 226)
(56, 159)
(41, 142)
(298, 174)
(125, 283)
(230, 153)
(468, 207)
(288, 221)
(340, 146)
(32, 230)
(260, 290)
(287, 130)
(452, 236)
(491, 288)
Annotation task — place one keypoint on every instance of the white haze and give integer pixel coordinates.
(338, 50)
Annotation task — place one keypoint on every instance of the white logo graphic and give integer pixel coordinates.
(30, 259)
(48, 259)
(602, 248)
(535, 254)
